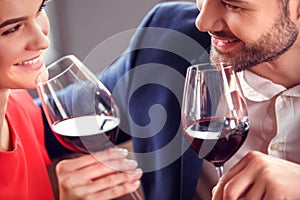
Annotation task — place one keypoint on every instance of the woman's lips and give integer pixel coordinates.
(34, 63)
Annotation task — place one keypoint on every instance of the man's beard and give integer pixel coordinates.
(276, 41)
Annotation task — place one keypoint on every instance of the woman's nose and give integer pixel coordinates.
(209, 18)
(39, 36)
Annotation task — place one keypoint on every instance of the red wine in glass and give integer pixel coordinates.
(213, 144)
(97, 136)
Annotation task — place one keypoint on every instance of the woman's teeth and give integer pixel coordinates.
(29, 62)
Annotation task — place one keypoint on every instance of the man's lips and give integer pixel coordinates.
(223, 41)
(224, 44)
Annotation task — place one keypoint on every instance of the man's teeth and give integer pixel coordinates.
(226, 41)
(29, 62)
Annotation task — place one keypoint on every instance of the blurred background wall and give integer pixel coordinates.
(77, 26)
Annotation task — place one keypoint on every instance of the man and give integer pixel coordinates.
(260, 37)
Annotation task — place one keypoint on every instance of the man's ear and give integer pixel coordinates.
(297, 6)
(293, 10)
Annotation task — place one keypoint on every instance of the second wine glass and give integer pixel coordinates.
(214, 114)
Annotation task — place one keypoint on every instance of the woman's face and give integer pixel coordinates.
(24, 27)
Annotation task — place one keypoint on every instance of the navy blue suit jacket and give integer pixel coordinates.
(147, 82)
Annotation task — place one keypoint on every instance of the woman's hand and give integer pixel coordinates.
(259, 176)
(103, 175)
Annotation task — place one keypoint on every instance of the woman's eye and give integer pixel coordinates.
(43, 5)
(11, 30)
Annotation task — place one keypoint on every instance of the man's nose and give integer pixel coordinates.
(210, 17)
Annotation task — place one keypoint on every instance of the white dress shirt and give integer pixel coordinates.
(274, 113)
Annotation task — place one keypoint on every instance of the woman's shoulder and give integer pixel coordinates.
(20, 96)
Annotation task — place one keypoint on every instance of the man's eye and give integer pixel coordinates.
(11, 30)
(231, 7)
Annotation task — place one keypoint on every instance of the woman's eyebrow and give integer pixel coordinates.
(12, 21)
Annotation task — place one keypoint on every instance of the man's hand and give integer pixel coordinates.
(259, 176)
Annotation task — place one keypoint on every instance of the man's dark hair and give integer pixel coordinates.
(284, 6)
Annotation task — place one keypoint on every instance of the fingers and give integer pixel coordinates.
(83, 161)
(116, 179)
(239, 179)
(111, 176)
(118, 191)
(94, 171)
(257, 191)
(242, 164)
(109, 187)
(86, 168)
(237, 186)
(259, 176)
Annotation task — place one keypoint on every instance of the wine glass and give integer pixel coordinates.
(214, 112)
(80, 110)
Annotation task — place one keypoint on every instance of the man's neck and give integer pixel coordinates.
(280, 72)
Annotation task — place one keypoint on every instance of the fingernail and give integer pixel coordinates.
(121, 151)
(131, 163)
(135, 184)
(137, 173)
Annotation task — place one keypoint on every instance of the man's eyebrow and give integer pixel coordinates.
(12, 21)
(238, 1)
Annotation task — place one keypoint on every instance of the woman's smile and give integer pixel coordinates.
(33, 63)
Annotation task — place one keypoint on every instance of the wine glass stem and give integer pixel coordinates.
(220, 171)
(136, 195)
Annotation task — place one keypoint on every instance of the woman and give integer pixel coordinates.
(24, 27)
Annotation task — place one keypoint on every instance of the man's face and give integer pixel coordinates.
(246, 33)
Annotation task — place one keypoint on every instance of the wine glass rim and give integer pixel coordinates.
(71, 57)
(210, 66)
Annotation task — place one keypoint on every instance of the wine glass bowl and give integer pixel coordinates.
(80, 110)
(214, 112)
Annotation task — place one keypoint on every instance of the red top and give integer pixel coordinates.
(23, 173)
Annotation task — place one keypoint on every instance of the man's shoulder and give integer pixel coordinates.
(171, 26)
(176, 6)
(172, 13)
(176, 16)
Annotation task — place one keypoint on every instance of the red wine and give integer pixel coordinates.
(86, 134)
(217, 139)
